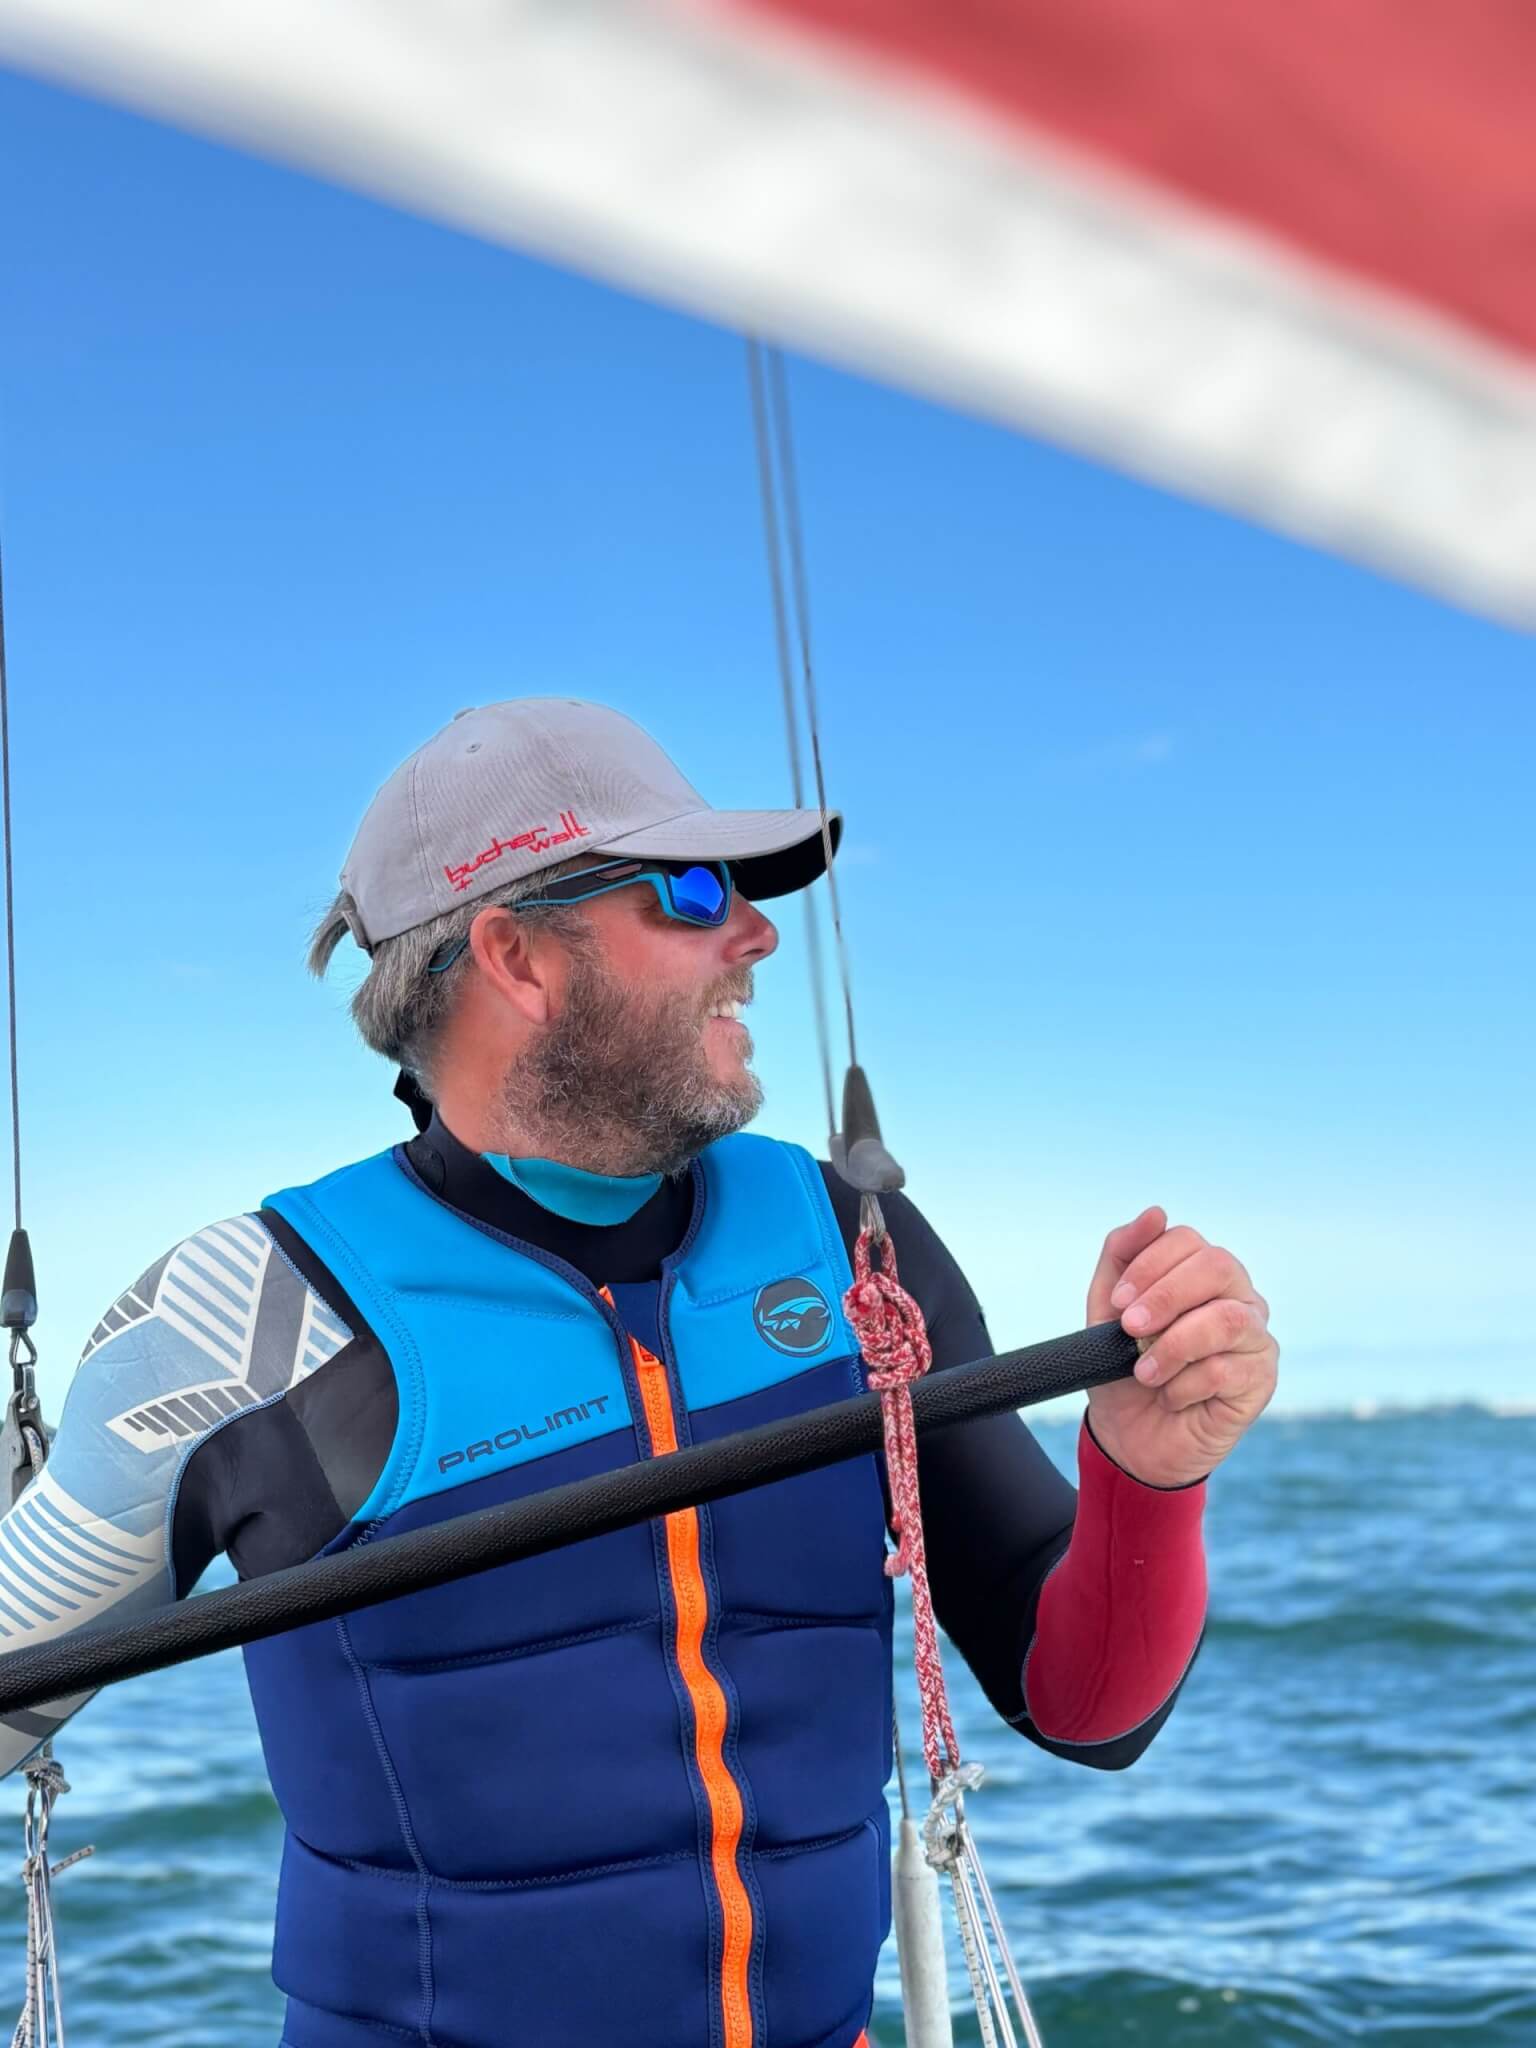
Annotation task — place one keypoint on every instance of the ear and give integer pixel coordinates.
(517, 968)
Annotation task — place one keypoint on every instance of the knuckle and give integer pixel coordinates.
(1223, 1266)
(1235, 1317)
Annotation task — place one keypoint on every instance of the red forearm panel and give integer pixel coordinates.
(1121, 1614)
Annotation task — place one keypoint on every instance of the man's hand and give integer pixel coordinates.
(1208, 1363)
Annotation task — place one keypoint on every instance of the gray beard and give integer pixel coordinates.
(621, 1083)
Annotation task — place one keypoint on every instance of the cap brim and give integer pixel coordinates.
(772, 853)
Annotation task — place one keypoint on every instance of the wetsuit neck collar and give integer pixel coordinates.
(572, 1192)
(626, 1250)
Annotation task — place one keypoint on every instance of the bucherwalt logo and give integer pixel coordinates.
(538, 840)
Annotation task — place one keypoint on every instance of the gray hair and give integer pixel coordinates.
(400, 1008)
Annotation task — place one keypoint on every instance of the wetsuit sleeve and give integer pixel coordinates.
(1079, 1613)
(199, 1340)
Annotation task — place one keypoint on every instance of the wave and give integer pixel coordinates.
(1136, 2005)
(1350, 1628)
(1055, 1416)
(1406, 1411)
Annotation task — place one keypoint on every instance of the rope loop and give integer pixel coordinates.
(890, 1327)
(894, 1341)
(944, 1826)
(41, 2024)
(45, 1775)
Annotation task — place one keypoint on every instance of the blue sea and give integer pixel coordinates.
(1333, 1839)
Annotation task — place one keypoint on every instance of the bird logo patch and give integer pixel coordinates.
(793, 1315)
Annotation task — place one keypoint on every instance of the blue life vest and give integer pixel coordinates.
(630, 1794)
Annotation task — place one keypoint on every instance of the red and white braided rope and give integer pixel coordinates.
(894, 1340)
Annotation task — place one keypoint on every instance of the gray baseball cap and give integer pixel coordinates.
(510, 788)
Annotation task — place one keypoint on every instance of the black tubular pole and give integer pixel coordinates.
(370, 1572)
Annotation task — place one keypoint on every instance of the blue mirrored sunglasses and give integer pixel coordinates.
(692, 892)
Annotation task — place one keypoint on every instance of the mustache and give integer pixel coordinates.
(736, 988)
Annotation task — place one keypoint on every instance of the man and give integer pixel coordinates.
(630, 1793)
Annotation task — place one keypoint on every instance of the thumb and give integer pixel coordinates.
(1120, 1247)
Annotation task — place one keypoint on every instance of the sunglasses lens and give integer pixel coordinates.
(699, 893)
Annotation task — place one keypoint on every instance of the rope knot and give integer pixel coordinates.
(886, 1320)
(893, 1338)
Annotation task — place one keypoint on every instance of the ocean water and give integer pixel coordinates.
(1333, 1840)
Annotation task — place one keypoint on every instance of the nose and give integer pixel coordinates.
(748, 934)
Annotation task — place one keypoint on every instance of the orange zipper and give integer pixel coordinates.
(690, 1600)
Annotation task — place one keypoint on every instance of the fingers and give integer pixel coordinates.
(1156, 1259)
(1121, 1249)
(1176, 1273)
(1226, 1325)
(1241, 1381)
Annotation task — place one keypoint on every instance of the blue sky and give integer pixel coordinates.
(1185, 864)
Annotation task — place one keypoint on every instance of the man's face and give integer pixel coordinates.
(637, 1071)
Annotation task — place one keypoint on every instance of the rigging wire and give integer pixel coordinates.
(783, 536)
(857, 1149)
(10, 904)
(24, 1445)
(889, 1328)
(794, 531)
(773, 548)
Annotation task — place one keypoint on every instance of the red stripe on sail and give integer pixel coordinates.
(1395, 143)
